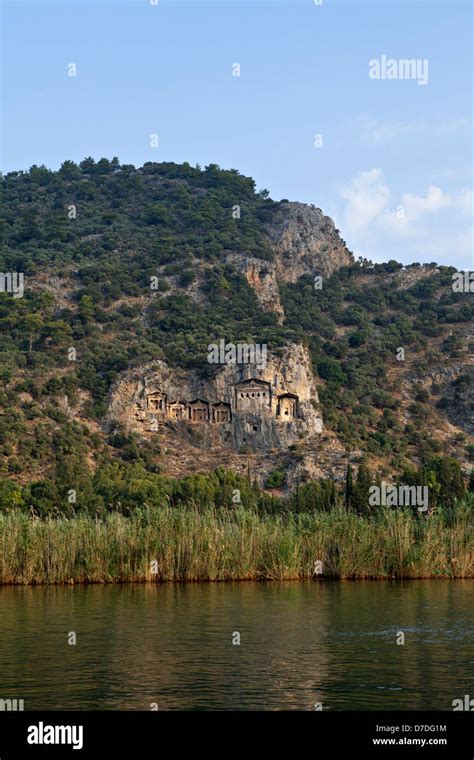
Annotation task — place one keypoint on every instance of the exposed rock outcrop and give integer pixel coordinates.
(262, 277)
(304, 241)
(284, 413)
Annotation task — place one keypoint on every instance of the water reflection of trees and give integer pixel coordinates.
(301, 643)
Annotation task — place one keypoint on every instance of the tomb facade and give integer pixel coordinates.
(221, 412)
(253, 396)
(253, 401)
(198, 411)
(177, 410)
(156, 402)
(287, 405)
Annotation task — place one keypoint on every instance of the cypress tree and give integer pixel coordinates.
(349, 487)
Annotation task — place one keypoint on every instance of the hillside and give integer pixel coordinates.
(131, 273)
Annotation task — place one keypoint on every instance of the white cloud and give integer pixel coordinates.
(373, 220)
(417, 205)
(465, 201)
(375, 132)
(366, 198)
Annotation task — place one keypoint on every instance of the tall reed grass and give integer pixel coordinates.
(188, 544)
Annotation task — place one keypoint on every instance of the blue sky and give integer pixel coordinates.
(395, 165)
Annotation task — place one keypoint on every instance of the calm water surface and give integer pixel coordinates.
(301, 643)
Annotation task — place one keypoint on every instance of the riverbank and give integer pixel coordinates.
(184, 544)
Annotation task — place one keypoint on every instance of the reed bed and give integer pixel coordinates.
(189, 544)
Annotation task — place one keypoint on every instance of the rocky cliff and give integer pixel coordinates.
(304, 241)
(252, 424)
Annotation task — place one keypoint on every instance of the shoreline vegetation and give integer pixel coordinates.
(189, 543)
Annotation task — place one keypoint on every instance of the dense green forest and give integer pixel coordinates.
(90, 238)
(127, 487)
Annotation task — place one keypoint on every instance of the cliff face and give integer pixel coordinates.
(240, 407)
(304, 241)
(263, 278)
(226, 411)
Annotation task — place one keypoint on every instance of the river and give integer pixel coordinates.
(302, 644)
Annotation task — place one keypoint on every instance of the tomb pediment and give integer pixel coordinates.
(252, 394)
